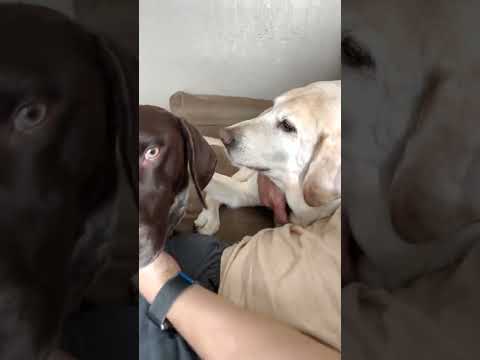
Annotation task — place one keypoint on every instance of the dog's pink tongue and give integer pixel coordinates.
(271, 196)
(280, 210)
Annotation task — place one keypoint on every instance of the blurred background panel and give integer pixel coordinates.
(65, 6)
(118, 20)
(254, 48)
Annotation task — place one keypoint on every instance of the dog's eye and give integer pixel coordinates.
(30, 116)
(286, 126)
(354, 55)
(152, 153)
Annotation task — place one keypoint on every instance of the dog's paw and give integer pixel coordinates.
(202, 219)
(207, 222)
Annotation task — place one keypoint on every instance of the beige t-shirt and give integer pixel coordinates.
(291, 274)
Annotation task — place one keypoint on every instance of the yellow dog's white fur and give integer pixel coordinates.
(305, 164)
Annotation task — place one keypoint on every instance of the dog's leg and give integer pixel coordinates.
(239, 190)
(234, 193)
(243, 174)
(208, 221)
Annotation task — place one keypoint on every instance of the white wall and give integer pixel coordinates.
(256, 48)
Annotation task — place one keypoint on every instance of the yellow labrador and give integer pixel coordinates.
(297, 144)
(411, 140)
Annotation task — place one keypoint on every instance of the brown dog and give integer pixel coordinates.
(68, 102)
(170, 149)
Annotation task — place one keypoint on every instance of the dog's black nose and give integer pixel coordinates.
(227, 137)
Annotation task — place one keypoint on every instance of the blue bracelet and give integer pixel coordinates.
(186, 277)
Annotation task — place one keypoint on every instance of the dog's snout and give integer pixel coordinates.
(227, 137)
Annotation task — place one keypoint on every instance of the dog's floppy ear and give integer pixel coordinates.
(202, 160)
(121, 71)
(322, 182)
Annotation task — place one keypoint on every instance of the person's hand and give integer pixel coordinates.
(272, 197)
(152, 277)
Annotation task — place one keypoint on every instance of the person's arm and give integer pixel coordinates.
(217, 329)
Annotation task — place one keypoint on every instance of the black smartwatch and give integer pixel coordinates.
(158, 310)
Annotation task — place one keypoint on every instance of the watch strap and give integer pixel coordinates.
(165, 298)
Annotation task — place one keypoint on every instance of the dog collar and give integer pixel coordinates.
(172, 289)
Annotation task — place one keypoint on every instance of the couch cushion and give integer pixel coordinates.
(209, 113)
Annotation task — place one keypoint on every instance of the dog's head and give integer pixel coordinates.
(170, 150)
(297, 140)
(68, 101)
(410, 120)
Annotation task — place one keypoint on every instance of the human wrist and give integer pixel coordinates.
(153, 277)
(155, 284)
(167, 297)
